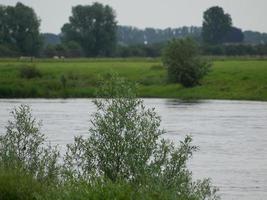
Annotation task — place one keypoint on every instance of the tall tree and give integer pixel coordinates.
(216, 25)
(93, 27)
(19, 28)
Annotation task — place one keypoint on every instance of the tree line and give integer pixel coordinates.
(92, 31)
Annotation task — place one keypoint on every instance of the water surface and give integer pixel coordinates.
(231, 136)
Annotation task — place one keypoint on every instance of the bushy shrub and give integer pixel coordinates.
(118, 190)
(16, 185)
(125, 144)
(29, 72)
(184, 65)
(23, 147)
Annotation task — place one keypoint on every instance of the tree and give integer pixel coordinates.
(93, 27)
(254, 38)
(216, 24)
(7, 51)
(128, 35)
(235, 35)
(184, 65)
(51, 39)
(22, 147)
(19, 28)
(73, 49)
(50, 51)
(69, 49)
(125, 144)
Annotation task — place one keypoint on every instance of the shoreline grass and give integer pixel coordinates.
(229, 79)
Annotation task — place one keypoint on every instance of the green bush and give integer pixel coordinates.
(29, 72)
(114, 191)
(19, 185)
(22, 147)
(181, 57)
(124, 144)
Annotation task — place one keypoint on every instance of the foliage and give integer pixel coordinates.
(253, 37)
(235, 35)
(69, 49)
(118, 190)
(51, 39)
(23, 147)
(84, 191)
(235, 50)
(132, 36)
(125, 144)
(19, 28)
(233, 47)
(124, 157)
(181, 57)
(216, 24)
(29, 72)
(141, 50)
(83, 76)
(74, 49)
(93, 27)
(50, 51)
(17, 185)
(7, 51)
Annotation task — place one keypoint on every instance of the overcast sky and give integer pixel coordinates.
(246, 14)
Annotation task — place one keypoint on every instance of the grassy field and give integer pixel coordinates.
(228, 79)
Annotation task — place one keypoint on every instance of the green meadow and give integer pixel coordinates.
(228, 79)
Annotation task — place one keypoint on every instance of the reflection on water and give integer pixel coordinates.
(231, 136)
(181, 102)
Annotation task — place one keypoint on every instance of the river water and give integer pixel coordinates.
(231, 136)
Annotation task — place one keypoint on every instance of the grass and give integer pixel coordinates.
(15, 185)
(229, 79)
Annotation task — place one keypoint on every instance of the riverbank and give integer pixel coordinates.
(228, 79)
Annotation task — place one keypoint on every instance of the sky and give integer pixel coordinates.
(246, 14)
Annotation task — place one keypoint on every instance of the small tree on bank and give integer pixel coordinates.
(125, 144)
(23, 147)
(184, 65)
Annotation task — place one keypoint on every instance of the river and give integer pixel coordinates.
(231, 136)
